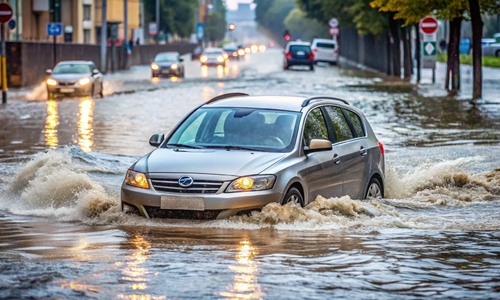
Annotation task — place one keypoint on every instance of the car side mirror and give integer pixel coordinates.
(48, 71)
(317, 145)
(95, 72)
(156, 139)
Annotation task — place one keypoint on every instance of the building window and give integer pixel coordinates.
(86, 36)
(86, 12)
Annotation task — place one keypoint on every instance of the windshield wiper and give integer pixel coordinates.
(185, 146)
(228, 147)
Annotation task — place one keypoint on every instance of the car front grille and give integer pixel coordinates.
(198, 187)
(66, 83)
(156, 212)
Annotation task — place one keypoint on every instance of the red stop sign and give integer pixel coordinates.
(5, 13)
(429, 25)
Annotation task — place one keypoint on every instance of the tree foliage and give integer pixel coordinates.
(305, 28)
(176, 16)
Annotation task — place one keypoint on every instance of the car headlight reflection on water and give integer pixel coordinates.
(251, 183)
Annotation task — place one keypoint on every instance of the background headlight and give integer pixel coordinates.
(154, 66)
(136, 179)
(251, 183)
(51, 81)
(203, 58)
(83, 81)
(173, 66)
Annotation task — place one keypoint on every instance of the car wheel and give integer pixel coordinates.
(374, 189)
(154, 75)
(92, 92)
(311, 67)
(101, 92)
(293, 195)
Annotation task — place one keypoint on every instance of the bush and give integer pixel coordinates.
(466, 59)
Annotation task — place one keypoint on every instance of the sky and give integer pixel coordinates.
(233, 4)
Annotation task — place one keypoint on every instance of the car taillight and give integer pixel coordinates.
(288, 55)
(381, 146)
(311, 55)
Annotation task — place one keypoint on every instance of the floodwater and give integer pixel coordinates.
(436, 234)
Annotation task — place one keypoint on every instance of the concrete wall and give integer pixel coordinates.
(28, 61)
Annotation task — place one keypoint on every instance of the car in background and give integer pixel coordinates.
(487, 41)
(237, 153)
(231, 51)
(298, 53)
(492, 49)
(325, 50)
(167, 64)
(74, 78)
(213, 57)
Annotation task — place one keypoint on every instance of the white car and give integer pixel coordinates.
(490, 47)
(325, 50)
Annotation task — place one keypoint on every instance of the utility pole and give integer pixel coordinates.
(104, 34)
(157, 22)
(125, 34)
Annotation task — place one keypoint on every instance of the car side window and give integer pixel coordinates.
(356, 122)
(315, 126)
(339, 123)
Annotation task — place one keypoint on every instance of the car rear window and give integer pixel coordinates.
(296, 48)
(326, 45)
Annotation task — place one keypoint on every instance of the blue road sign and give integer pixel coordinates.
(200, 31)
(12, 24)
(54, 29)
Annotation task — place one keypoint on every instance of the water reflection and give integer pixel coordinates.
(245, 280)
(134, 272)
(51, 123)
(85, 120)
(204, 71)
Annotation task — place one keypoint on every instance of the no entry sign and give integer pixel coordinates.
(429, 25)
(5, 13)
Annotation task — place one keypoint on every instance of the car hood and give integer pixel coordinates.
(68, 77)
(207, 161)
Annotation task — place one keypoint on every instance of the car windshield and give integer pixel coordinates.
(166, 57)
(72, 69)
(213, 52)
(237, 128)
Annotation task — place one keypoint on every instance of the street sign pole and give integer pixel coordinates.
(428, 27)
(5, 16)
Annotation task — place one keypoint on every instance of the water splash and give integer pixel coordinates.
(38, 93)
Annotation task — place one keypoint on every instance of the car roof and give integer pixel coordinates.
(64, 62)
(299, 43)
(290, 103)
(324, 41)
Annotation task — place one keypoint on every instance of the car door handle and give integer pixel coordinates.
(363, 151)
(336, 159)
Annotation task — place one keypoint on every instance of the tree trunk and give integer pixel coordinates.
(395, 46)
(453, 67)
(417, 53)
(407, 64)
(477, 33)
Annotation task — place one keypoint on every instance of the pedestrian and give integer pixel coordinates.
(442, 45)
(137, 42)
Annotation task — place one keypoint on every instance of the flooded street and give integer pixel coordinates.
(436, 234)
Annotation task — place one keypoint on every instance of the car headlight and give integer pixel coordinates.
(174, 66)
(136, 179)
(51, 81)
(251, 183)
(203, 58)
(83, 81)
(220, 58)
(154, 66)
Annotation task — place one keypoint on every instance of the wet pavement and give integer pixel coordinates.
(436, 234)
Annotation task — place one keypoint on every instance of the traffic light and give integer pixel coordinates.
(232, 27)
(286, 35)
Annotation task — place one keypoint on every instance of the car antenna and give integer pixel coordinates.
(224, 96)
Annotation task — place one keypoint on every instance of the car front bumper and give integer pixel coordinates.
(149, 201)
(70, 90)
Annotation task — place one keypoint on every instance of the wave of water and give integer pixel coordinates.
(67, 184)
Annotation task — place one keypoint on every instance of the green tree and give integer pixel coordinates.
(271, 15)
(305, 28)
(216, 25)
(176, 16)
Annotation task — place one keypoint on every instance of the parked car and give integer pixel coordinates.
(465, 46)
(74, 78)
(490, 47)
(237, 153)
(231, 51)
(213, 57)
(298, 53)
(168, 64)
(325, 50)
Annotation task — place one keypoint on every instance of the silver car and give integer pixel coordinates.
(237, 153)
(167, 63)
(74, 78)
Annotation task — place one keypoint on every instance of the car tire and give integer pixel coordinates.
(375, 189)
(101, 92)
(154, 75)
(293, 195)
(311, 67)
(92, 91)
